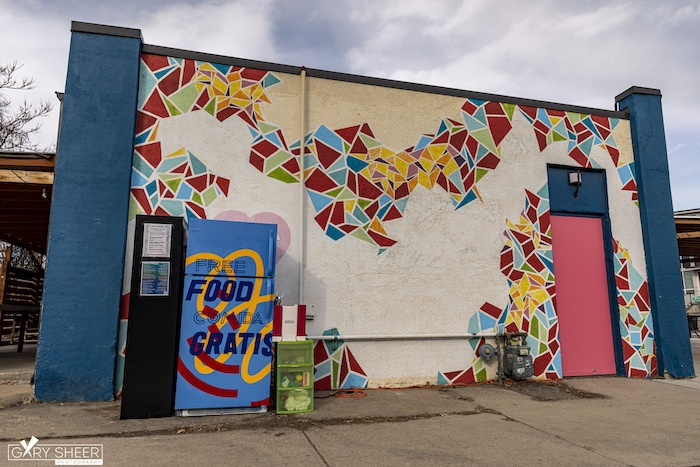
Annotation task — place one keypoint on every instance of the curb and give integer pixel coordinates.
(16, 377)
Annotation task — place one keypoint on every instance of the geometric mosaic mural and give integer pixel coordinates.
(179, 184)
(636, 327)
(356, 184)
(582, 132)
(335, 366)
(526, 260)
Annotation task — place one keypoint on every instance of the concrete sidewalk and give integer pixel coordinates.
(578, 421)
(584, 421)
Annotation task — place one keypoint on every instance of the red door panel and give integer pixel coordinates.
(582, 300)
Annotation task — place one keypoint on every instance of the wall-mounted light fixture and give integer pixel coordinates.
(575, 179)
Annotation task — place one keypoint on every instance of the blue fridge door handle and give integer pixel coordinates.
(270, 253)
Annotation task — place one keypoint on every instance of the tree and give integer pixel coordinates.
(17, 125)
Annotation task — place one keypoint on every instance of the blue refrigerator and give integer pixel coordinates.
(225, 344)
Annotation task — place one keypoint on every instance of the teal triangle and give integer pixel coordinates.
(586, 146)
(224, 69)
(319, 201)
(472, 123)
(197, 166)
(636, 279)
(147, 82)
(270, 80)
(339, 176)
(355, 164)
(401, 204)
(161, 73)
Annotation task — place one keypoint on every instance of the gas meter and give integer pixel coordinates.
(517, 361)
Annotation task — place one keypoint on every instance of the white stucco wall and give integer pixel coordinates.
(446, 263)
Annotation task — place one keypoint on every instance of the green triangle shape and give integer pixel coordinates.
(209, 195)
(362, 235)
(197, 198)
(484, 137)
(346, 194)
(364, 202)
(134, 209)
(335, 191)
(535, 327)
(369, 142)
(280, 174)
(574, 117)
(527, 267)
(480, 173)
(211, 107)
(509, 109)
(173, 184)
(557, 137)
(266, 127)
(172, 109)
(185, 97)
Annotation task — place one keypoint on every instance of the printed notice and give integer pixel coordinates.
(155, 277)
(156, 240)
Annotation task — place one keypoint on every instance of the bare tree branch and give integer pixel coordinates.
(17, 125)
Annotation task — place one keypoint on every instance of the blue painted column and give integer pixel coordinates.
(80, 314)
(660, 244)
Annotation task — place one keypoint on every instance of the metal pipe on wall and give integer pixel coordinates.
(373, 337)
(302, 186)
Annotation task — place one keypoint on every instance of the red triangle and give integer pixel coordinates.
(155, 105)
(354, 366)
(320, 353)
(323, 384)
(326, 155)
(170, 83)
(151, 153)
(349, 133)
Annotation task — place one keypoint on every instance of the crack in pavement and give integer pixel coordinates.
(314, 446)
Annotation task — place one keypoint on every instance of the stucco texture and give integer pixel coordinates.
(403, 225)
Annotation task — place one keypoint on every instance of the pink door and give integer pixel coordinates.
(582, 301)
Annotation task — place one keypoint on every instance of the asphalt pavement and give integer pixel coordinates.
(577, 421)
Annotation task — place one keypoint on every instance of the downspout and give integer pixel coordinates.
(302, 182)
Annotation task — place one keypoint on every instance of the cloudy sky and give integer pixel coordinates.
(583, 52)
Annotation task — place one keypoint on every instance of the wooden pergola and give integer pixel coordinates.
(26, 185)
(688, 234)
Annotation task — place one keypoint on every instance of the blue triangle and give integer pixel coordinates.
(334, 233)
(197, 166)
(224, 69)
(319, 201)
(355, 164)
(329, 138)
(270, 80)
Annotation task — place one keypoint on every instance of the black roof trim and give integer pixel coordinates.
(637, 90)
(223, 59)
(78, 26)
(387, 83)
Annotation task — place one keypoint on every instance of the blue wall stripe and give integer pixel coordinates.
(660, 244)
(80, 315)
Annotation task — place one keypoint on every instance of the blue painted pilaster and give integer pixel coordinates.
(660, 244)
(80, 314)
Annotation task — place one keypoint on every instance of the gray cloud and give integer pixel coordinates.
(581, 52)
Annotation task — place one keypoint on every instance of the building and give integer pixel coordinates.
(426, 215)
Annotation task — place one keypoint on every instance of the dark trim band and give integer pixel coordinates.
(118, 31)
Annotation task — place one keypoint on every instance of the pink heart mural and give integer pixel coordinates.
(284, 235)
